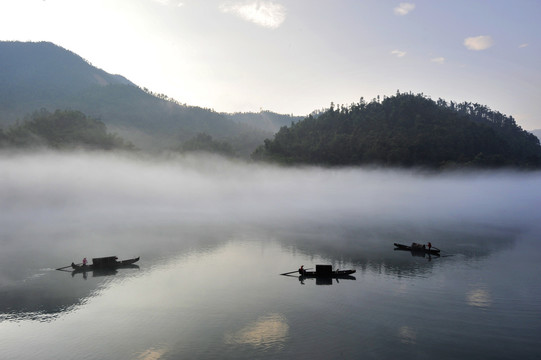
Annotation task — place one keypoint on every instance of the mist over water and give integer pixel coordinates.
(213, 235)
(105, 202)
(87, 188)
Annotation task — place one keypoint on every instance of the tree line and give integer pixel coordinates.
(62, 129)
(405, 130)
(70, 129)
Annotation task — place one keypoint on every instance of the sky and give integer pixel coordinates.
(297, 56)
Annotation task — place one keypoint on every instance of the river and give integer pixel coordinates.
(215, 235)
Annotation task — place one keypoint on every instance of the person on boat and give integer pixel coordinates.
(429, 245)
(84, 262)
(301, 270)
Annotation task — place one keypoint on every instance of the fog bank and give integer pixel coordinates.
(91, 190)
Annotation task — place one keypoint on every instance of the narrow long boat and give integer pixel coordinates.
(105, 263)
(417, 248)
(334, 274)
(327, 271)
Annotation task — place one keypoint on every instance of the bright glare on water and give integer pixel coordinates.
(214, 237)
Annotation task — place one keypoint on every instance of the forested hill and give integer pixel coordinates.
(35, 76)
(65, 130)
(405, 130)
(265, 120)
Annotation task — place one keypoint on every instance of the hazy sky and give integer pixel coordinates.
(295, 56)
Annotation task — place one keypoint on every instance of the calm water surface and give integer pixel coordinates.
(211, 289)
(226, 300)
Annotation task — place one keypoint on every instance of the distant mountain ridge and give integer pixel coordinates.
(44, 75)
(403, 130)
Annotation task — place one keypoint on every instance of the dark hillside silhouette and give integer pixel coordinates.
(405, 130)
(33, 75)
(66, 129)
(36, 76)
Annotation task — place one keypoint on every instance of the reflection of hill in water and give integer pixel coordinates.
(372, 249)
(48, 293)
(44, 298)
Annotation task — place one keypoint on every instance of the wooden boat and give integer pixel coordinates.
(334, 274)
(327, 271)
(105, 263)
(418, 248)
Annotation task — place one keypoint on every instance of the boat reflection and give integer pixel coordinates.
(325, 280)
(102, 266)
(321, 280)
(419, 254)
(324, 274)
(102, 271)
(418, 249)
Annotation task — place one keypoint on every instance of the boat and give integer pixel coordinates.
(418, 248)
(326, 271)
(340, 274)
(105, 263)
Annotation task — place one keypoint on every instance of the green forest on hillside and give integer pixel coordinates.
(402, 130)
(65, 129)
(45, 76)
(205, 143)
(405, 130)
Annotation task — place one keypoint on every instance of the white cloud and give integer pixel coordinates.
(523, 45)
(478, 42)
(263, 13)
(438, 60)
(404, 8)
(398, 53)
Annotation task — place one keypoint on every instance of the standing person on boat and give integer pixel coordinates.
(429, 245)
(84, 262)
(301, 270)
